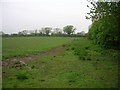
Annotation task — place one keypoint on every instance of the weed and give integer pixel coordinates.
(72, 48)
(67, 72)
(87, 47)
(33, 67)
(14, 47)
(88, 58)
(42, 80)
(67, 49)
(82, 58)
(71, 80)
(63, 45)
(17, 62)
(22, 76)
(15, 55)
(54, 56)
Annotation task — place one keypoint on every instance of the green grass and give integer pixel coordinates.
(22, 46)
(98, 68)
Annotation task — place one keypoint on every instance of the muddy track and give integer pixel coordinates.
(7, 63)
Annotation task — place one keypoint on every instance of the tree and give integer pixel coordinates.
(1, 33)
(105, 27)
(57, 30)
(35, 31)
(14, 34)
(24, 32)
(82, 33)
(101, 9)
(69, 29)
(47, 30)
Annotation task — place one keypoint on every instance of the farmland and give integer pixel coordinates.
(79, 63)
(23, 46)
(60, 44)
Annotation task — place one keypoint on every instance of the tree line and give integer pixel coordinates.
(67, 31)
(104, 30)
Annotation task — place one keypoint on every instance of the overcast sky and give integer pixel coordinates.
(18, 15)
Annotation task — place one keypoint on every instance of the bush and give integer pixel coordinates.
(105, 32)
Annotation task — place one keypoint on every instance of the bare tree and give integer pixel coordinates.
(57, 30)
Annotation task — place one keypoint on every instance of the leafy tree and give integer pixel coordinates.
(24, 32)
(102, 9)
(105, 28)
(82, 33)
(2, 33)
(69, 29)
(46, 30)
(36, 32)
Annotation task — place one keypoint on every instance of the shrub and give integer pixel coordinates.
(105, 33)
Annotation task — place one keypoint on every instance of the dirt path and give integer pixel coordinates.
(7, 63)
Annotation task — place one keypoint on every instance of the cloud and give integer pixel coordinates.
(34, 14)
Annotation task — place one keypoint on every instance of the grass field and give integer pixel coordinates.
(81, 65)
(23, 46)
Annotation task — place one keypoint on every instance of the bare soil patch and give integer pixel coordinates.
(7, 63)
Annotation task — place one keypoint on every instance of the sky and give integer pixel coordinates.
(18, 15)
